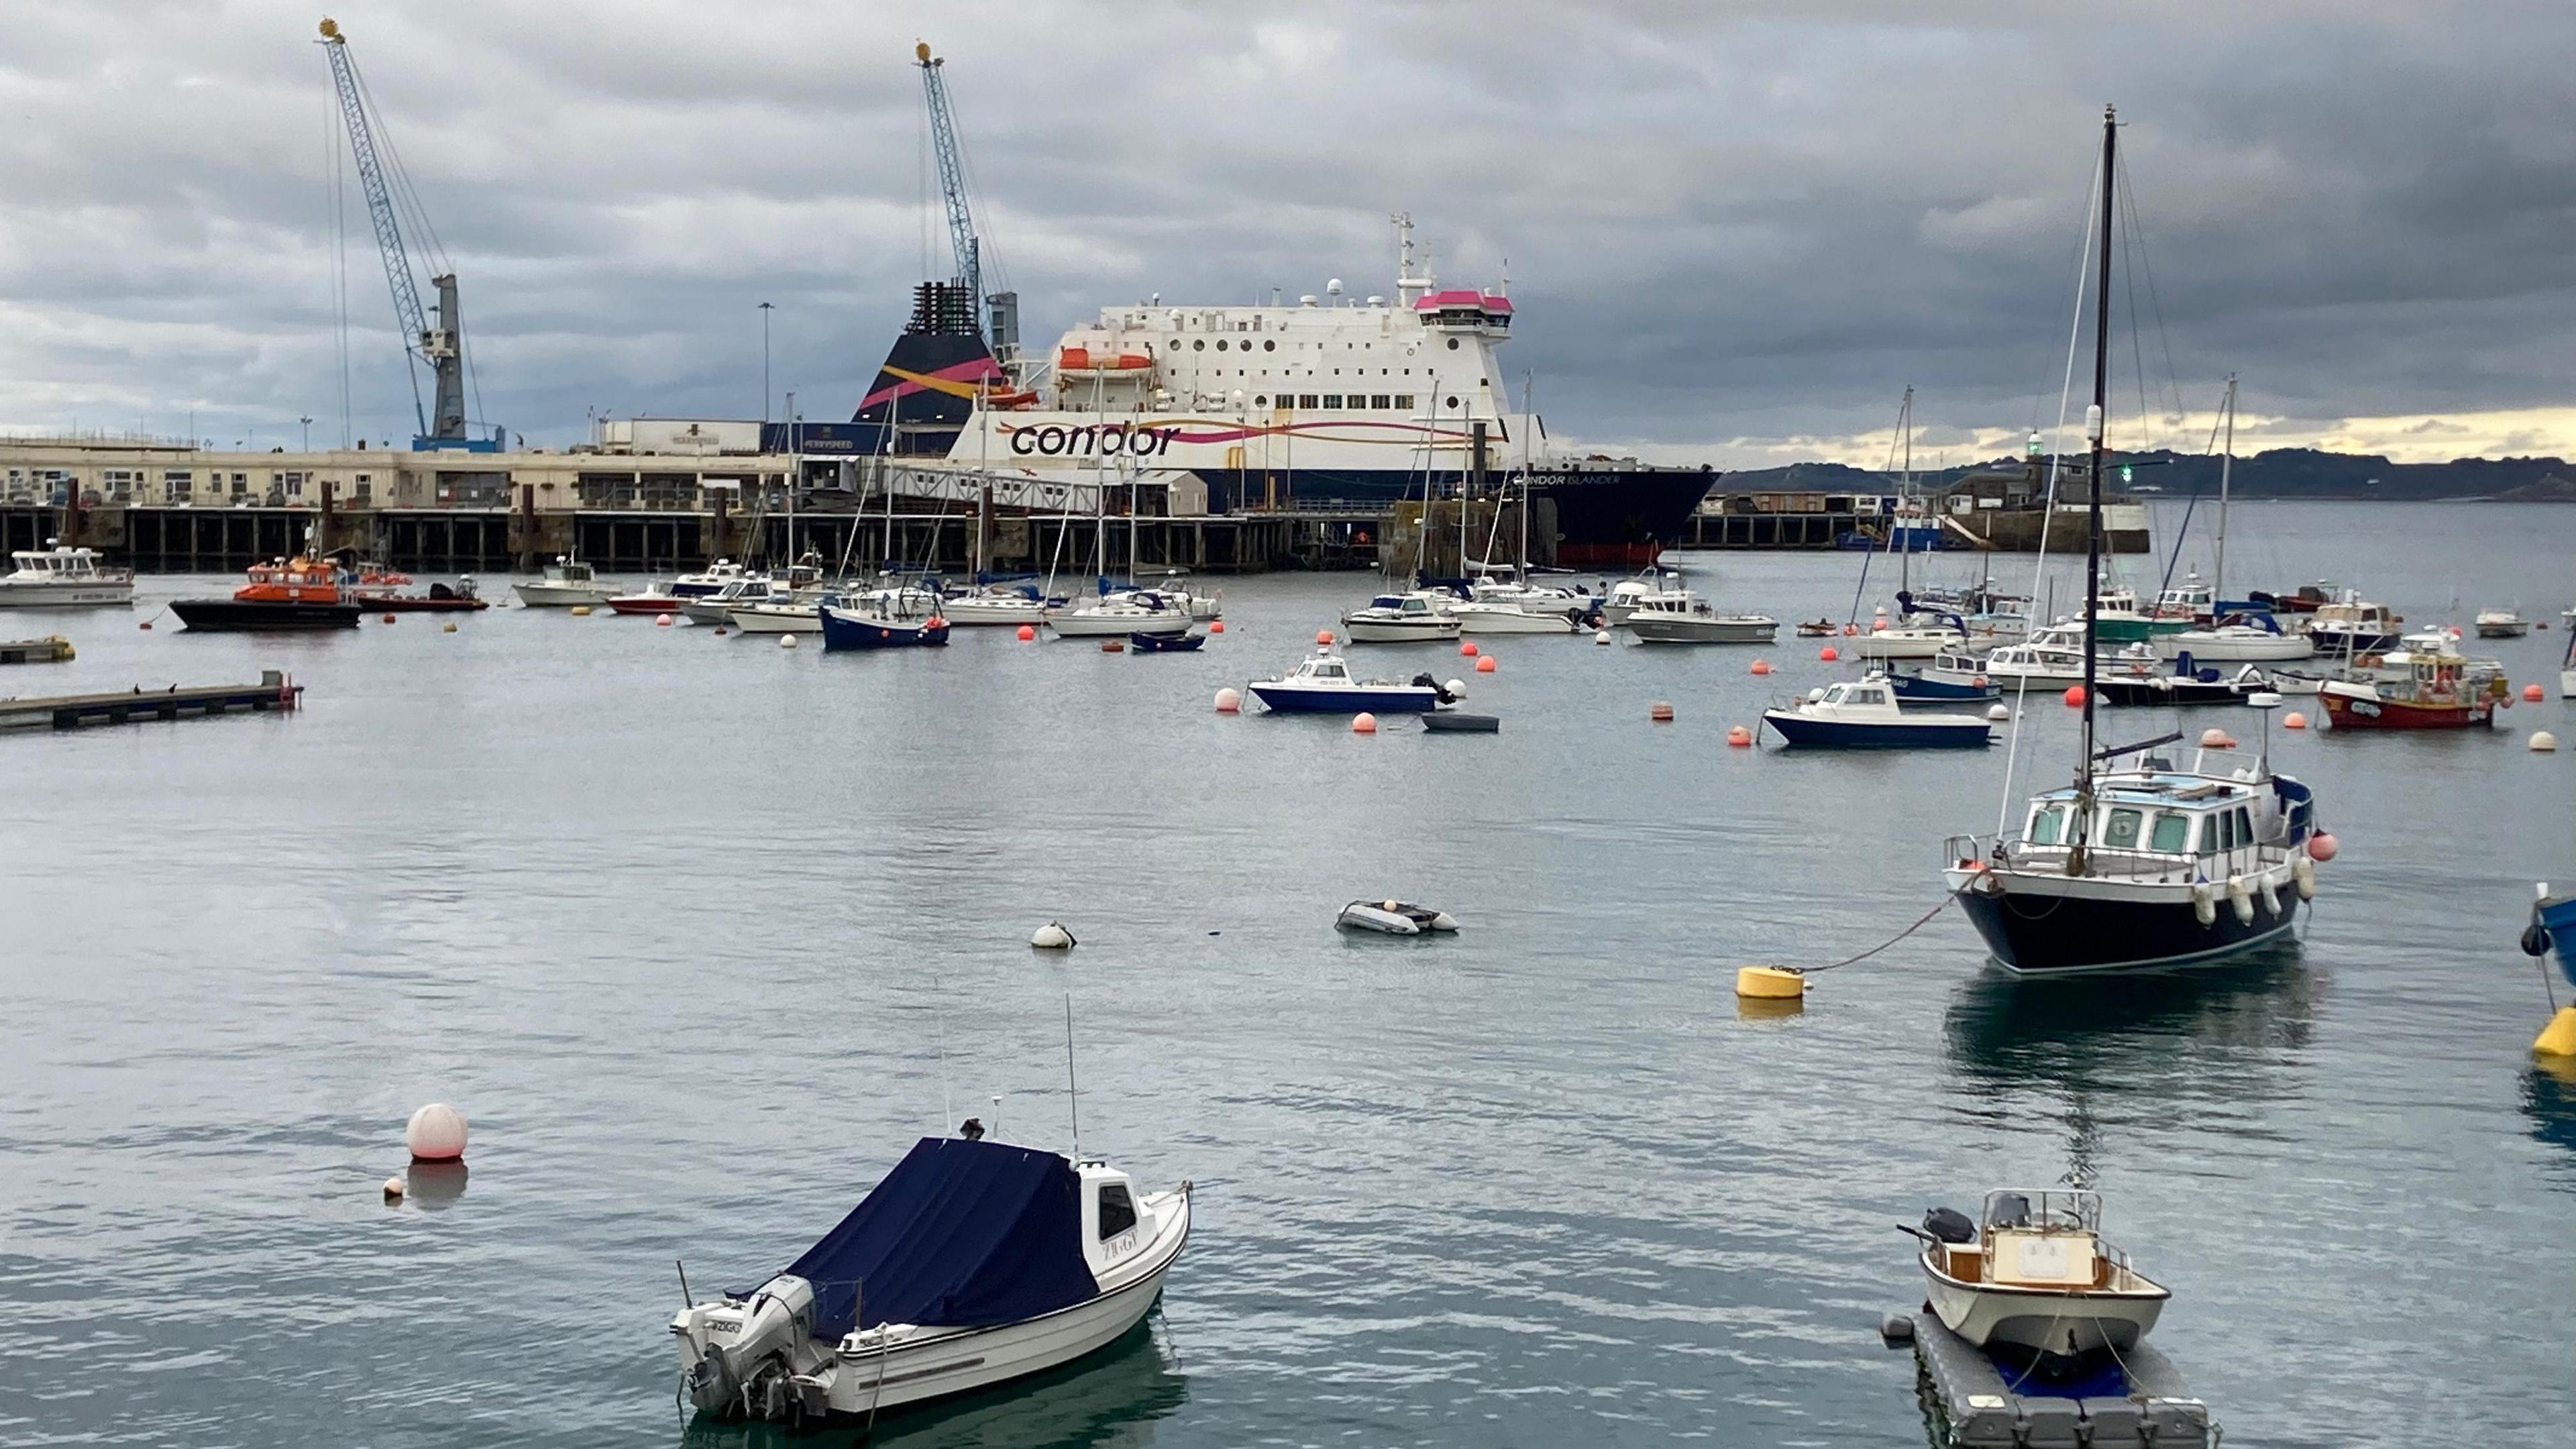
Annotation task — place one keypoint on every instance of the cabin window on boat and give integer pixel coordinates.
(1309, 400)
(1332, 399)
(1404, 400)
(1117, 1210)
(2172, 832)
(2244, 827)
(2120, 832)
(2044, 823)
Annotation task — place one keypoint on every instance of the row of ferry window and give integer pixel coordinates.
(1200, 345)
(1334, 401)
(2168, 832)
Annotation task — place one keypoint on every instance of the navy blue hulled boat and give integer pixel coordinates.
(884, 619)
(1864, 716)
(1914, 690)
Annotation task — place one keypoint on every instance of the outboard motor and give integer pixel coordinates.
(1949, 1225)
(1438, 690)
(776, 1319)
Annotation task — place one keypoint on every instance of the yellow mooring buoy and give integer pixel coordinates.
(2558, 1039)
(1770, 983)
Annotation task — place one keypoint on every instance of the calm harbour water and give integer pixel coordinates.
(702, 932)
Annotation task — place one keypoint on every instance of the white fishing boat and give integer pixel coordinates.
(972, 1263)
(568, 582)
(710, 579)
(1120, 613)
(1410, 618)
(1680, 616)
(2035, 1274)
(1628, 595)
(63, 578)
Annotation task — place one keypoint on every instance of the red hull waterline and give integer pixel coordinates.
(2362, 714)
(645, 606)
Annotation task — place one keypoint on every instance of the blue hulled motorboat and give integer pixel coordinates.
(1863, 715)
(1322, 683)
(900, 618)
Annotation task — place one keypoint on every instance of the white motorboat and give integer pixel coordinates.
(63, 578)
(1865, 714)
(568, 582)
(1119, 614)
(2034, 1274)
(2502, 624)
(1627, 595)
(2353, 626)
(971, 1264)
(716, 608)
(1403, 619)
(1395, 918)
(710, 579)
(2051, 656)
(1680, 616)
(1322, 683)
(1909, 636)
(1001, 604)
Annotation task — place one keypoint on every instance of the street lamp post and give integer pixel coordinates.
(308, 435)
(765, 309)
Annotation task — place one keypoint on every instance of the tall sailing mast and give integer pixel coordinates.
(2076, 853)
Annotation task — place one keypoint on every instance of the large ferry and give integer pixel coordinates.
(1321, 403)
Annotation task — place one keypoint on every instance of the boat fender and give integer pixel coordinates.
(1052, 937)
(2204, 904)
(2303, 871)
(2269, 894)
(2535, 937)
(1896, 1330)
(2240, 899)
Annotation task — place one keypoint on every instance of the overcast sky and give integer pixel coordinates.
(1735, 232)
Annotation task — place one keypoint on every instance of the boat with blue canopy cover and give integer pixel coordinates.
(960, 1233)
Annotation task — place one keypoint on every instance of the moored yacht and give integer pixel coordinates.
(1866, 714)
(2146, 864)
(900, 616)
(1001, 604)
(63, 578)
(972, 1263)
(2353, 626)
(1119, 613)
(1680, 616)
(299, 594)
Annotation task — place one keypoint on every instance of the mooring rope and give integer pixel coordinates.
(1919, 923)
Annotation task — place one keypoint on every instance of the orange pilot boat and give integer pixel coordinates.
(2426, 687)
(283, 594)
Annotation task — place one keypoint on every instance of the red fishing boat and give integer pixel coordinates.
(2427, 688)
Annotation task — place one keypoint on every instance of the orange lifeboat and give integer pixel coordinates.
(1084, 360)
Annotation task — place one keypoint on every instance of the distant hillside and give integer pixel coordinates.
(2280, 473)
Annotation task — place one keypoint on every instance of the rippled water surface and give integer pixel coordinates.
(702, 932)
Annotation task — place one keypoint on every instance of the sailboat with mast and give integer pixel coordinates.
(2239, 631)
(2146, 863)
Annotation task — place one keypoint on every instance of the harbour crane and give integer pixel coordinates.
(440, 345)
(997, 314)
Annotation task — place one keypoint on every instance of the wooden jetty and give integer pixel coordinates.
(52, 649)
(274, 692)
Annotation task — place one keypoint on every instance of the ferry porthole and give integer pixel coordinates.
(1198, 345)
(1270, 347)
(1453, 402)
(1453, 344)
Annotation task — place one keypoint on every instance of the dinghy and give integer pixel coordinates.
(1394, 918)
(1164, 643)
(971, 1264)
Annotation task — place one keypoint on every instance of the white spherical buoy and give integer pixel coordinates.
(1229, 701)
(1601, 636)
(1051, 937)
(2543, 741)
(1997, 712)
(393, 1189)
(1457, 687)
(436, 1133)
(786, 641)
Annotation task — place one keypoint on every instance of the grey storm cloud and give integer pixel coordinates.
(1719, 220)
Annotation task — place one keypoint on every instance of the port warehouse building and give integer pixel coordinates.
(664, 493)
